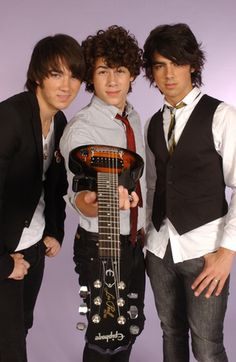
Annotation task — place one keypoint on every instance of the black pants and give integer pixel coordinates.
(86, 259)
(90, 355)
(17, 301)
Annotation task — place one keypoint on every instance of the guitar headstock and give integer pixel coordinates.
(111, 309)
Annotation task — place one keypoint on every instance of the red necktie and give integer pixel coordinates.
(132, 147)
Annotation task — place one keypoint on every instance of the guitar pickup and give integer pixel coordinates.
(106, 162)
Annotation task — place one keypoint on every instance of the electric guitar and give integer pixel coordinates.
(112, 309)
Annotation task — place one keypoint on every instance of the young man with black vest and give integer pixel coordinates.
(191, 238)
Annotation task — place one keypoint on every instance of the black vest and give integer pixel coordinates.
(190, 188)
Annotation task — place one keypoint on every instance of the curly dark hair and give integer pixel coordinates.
(177, 43)
(48, 54)
(117, 46)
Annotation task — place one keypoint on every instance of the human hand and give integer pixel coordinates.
(52, 246)
(127, 201)
(215, 272)
(86, 201)
(21, 267)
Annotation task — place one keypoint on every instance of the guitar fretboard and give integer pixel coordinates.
(108, 215)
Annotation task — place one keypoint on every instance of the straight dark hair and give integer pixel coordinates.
(177, 43)
(51, 53)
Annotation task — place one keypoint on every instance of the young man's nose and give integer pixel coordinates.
(65, 83)
(111, 77)
(169, 71)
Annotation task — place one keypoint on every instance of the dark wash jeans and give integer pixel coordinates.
(17, 301)
(85, 248)
(180, 311)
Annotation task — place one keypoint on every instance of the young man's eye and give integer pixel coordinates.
(157, 66)
(120, 70)
(101, 72)
(178, 65)
(55, 74)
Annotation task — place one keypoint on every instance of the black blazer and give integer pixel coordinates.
(21, 167)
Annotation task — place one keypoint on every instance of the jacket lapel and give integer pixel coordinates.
(37, 128)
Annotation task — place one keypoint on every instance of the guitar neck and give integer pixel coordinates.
(108, 215)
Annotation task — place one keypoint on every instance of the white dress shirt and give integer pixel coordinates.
(218, 233)
(96, 124)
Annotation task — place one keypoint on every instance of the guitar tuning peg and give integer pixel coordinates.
(133, 312)
(83, 292)
(120, 302)
(121, 320)
(132, 295)
(96, 318)
(97, 284)
(134, 330)
(97, 301)
(83, 309)
(80, 326)
(121, 285)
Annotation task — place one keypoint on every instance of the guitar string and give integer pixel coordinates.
(115, 218)
(117, 231)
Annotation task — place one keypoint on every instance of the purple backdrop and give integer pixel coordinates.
(22, 24)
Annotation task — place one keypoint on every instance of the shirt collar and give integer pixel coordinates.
(188, 99)
(109, 109)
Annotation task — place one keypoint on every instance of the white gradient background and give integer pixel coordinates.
(22, 23)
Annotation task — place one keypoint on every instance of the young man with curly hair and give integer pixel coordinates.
(113, 60)
(191, 238)
(32, 183)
